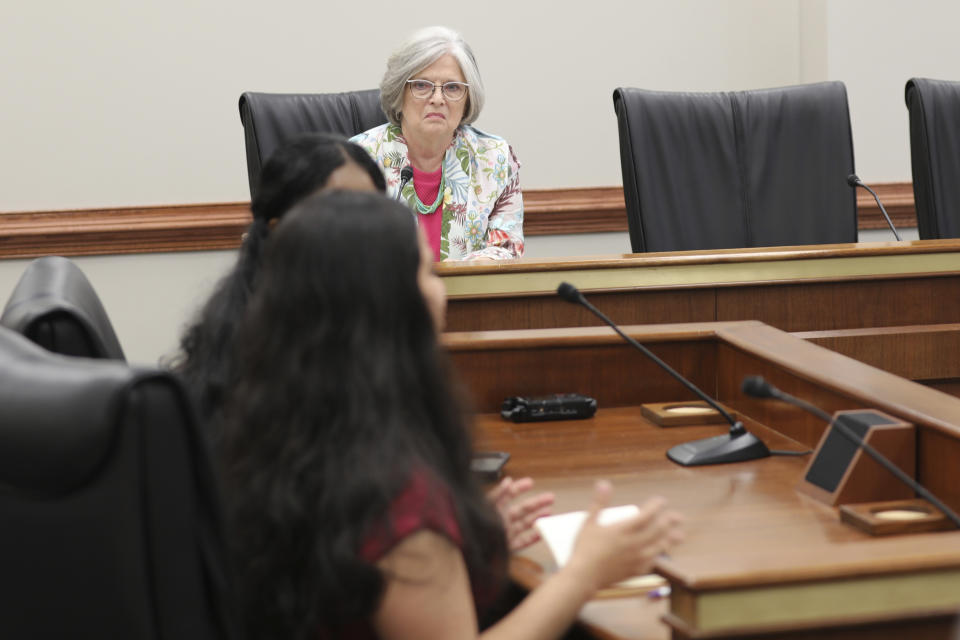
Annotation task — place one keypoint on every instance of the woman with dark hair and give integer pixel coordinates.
(305, 165)
(346, 453)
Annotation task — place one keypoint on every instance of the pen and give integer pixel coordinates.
(659, 592)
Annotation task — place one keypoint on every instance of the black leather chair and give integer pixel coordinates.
(737, 169)
(270, 119)
(109, 518)
(55, 305)
(934, 107)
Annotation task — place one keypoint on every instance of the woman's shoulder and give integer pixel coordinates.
(383, 132)
(424, 503)
(484, 143)
(480, 137)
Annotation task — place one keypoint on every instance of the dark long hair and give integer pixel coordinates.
(342, 395)
(295, 171)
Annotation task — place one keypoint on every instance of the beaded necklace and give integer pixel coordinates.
(428, 209)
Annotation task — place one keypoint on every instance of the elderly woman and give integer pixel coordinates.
(464, 186)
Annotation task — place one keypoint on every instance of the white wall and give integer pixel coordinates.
(111, 102)
(875, 47)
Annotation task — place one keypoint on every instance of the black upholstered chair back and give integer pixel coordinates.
(934, 107)
(109, 520)
(737, 169)
(55, 305)
(270, 119)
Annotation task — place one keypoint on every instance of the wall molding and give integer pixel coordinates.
(153, 229)
(217, 226)
(897, 198)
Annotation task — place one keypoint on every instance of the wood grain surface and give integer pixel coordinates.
(792, 288)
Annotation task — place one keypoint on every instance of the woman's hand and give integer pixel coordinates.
(518, 518)
(606, 554)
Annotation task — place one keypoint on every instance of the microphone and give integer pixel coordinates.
(757, 387)
(739, 445)
(854, 181)
(406, 175)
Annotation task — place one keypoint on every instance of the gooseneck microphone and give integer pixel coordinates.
(854, 181)
(739, 445)
(757, 387)
(406, 175)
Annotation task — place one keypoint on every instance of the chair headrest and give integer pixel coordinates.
(58, 415)
(931, 90)
(52, 286)
(271, 119)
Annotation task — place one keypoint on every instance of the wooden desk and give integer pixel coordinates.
(929, 354)
(788, 566)
(813, 288)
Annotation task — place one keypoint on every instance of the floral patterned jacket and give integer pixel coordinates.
(482, 202)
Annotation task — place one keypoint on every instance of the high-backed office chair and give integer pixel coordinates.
(737, 169)
(934, 107)
(109, 520)
(55, 305)
(270, 119)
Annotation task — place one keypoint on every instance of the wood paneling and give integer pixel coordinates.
(922, 353)
(937, 456)
(205, 227)
(847, 303)
(545, 310)
(792, 288)
(603, 363)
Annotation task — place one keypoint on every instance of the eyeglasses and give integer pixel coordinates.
(453, 91)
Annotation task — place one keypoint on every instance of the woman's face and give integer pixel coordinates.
(431, 286)
(433, 118)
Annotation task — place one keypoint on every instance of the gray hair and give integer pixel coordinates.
(422, 49)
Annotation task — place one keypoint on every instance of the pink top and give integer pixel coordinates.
(427, 185)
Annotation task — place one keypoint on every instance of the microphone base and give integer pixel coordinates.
(719, 450)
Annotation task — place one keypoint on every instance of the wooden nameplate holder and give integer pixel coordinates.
(893, 517)
(840, 472)
(682, 414)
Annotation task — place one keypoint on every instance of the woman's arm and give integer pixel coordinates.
(428, 590)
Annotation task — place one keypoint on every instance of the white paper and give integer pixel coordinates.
(560, 531)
